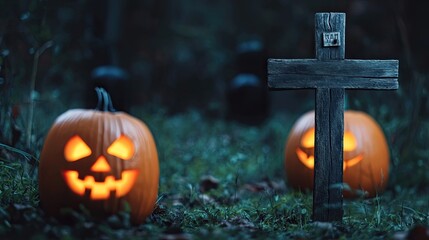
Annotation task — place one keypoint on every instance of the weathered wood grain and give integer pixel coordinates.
(298, 81)
(336, 129)
(340, 68)
(328, 166)
(322, 156)
(330, 22)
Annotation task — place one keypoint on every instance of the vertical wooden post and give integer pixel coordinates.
(328, 166)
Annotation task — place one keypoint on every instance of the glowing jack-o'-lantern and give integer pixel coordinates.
(76, 149)
(100, 159)
(365, 154)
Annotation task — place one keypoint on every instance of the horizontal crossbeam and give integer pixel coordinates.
(348, 74)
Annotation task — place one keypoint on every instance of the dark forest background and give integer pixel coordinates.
(181, 55)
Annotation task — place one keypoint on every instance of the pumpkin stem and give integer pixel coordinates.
(104, 100)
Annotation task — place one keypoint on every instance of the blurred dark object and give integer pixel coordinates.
(247, 94)
(10, 132)
(105, 24)
(252, 58)
(208, 183)
(115, 80)
(417, 39)
(418, 233)
(247, 101)
(15, 129)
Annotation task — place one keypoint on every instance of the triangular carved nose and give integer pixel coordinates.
(101, 165)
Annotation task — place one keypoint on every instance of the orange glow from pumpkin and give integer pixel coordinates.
(122, 148)
(349, 143)
(101, 190)
(101, 165)
(307, 160)
(352, 162)
(307, 143)
(76, 149)
(307, 140)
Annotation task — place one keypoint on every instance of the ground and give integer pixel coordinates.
(219, 180)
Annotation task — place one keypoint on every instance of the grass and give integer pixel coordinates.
(251, 200)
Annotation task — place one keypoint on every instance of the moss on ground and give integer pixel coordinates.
(250, 200)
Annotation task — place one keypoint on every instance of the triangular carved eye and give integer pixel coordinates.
(122, 148)
(307, 140)
(76, 149)
(350, 142)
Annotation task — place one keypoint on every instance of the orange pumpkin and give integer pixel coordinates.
(366, 154)
(99, 159)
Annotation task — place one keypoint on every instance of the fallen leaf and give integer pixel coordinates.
(206, 199)
(18, 212)
(175, 233)
(265, 185)
(418, 233)
(239, 222)
(208, 183)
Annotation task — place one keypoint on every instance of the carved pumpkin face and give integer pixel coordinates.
(305, 152)
(101, 160)
(76, 149)
(365, 154)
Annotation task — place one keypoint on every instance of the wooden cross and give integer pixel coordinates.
(330, 74)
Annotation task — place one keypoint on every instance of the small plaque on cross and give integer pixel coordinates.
(331, 39)
(330, 74)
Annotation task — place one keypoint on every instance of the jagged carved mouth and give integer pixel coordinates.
(308, 160)
(101, 190)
